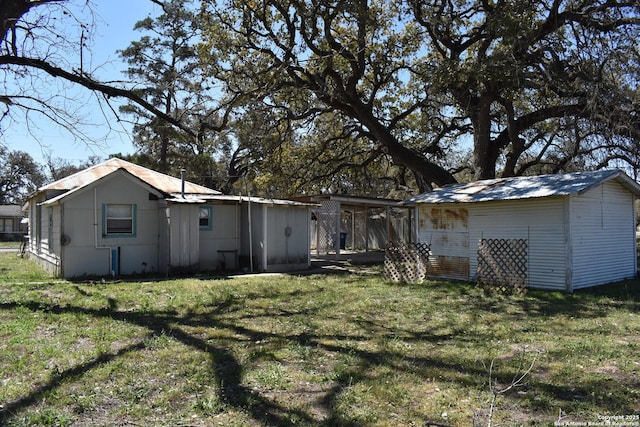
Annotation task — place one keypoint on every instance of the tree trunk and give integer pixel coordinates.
(485, 156)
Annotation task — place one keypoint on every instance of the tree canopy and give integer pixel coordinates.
(44, 45)
(527, 85)
(361, 95)
(19, 176)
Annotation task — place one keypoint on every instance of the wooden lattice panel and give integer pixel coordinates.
(502, 264)
(406, 262)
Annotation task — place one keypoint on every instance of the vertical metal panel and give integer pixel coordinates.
(603, 227)
(287, 234)
(446, 228)
(540, 221)
(184, 238)
(454, 230)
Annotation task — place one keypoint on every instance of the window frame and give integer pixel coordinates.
(105, 221)
(209, 210)
(5, 221)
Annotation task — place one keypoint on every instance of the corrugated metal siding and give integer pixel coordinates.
(287, 237)
(445, 227)
(540, 221)
(184, 236)
(603, 226)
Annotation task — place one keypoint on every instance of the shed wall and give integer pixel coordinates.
(184, 236)
(89, 252)
(540, 221)
(288, 237)
(45, 237)
(446, 228)
(603, 236)
(455, 229)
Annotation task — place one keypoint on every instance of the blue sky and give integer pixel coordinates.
(114, 30)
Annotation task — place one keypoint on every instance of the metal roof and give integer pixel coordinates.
(161, 182)
(525, 187)
(349, 200)
(236, 199)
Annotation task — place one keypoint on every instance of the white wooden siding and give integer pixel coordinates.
(224, 235)
(603, 230)
(88, 252)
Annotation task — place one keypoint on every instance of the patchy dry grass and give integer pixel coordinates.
(314, 350)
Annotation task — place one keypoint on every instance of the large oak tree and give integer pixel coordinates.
(527, 85)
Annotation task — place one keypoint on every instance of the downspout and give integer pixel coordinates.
(95, 228)
(62, 247)
(338, 225)
(635, 228)
(568, 241)
(265, 236)
(250, 234)
(183, 172)
(388, 225)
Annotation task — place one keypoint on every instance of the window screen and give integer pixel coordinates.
(205, 217)
(119, 219)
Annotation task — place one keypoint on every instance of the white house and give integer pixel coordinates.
(118, 218)
(570, 231)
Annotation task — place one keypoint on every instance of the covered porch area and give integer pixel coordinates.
(349, 226)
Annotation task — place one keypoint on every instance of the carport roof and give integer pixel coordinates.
(371, 202)
(526, 187)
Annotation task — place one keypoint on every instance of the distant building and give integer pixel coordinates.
(12, 227)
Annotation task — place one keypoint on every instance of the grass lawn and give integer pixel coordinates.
(318, 350)
(10, 245)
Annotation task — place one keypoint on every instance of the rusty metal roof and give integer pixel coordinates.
(161, 182)
(525, 187)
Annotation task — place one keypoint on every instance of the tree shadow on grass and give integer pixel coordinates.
(225, 366)
(585, 303)
(228, 369)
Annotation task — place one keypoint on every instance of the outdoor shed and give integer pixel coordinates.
(560, 232)
(118, 218)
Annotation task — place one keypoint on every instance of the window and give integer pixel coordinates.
(119, 220)
(205, 217)
(6, 225)
(50, 233)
